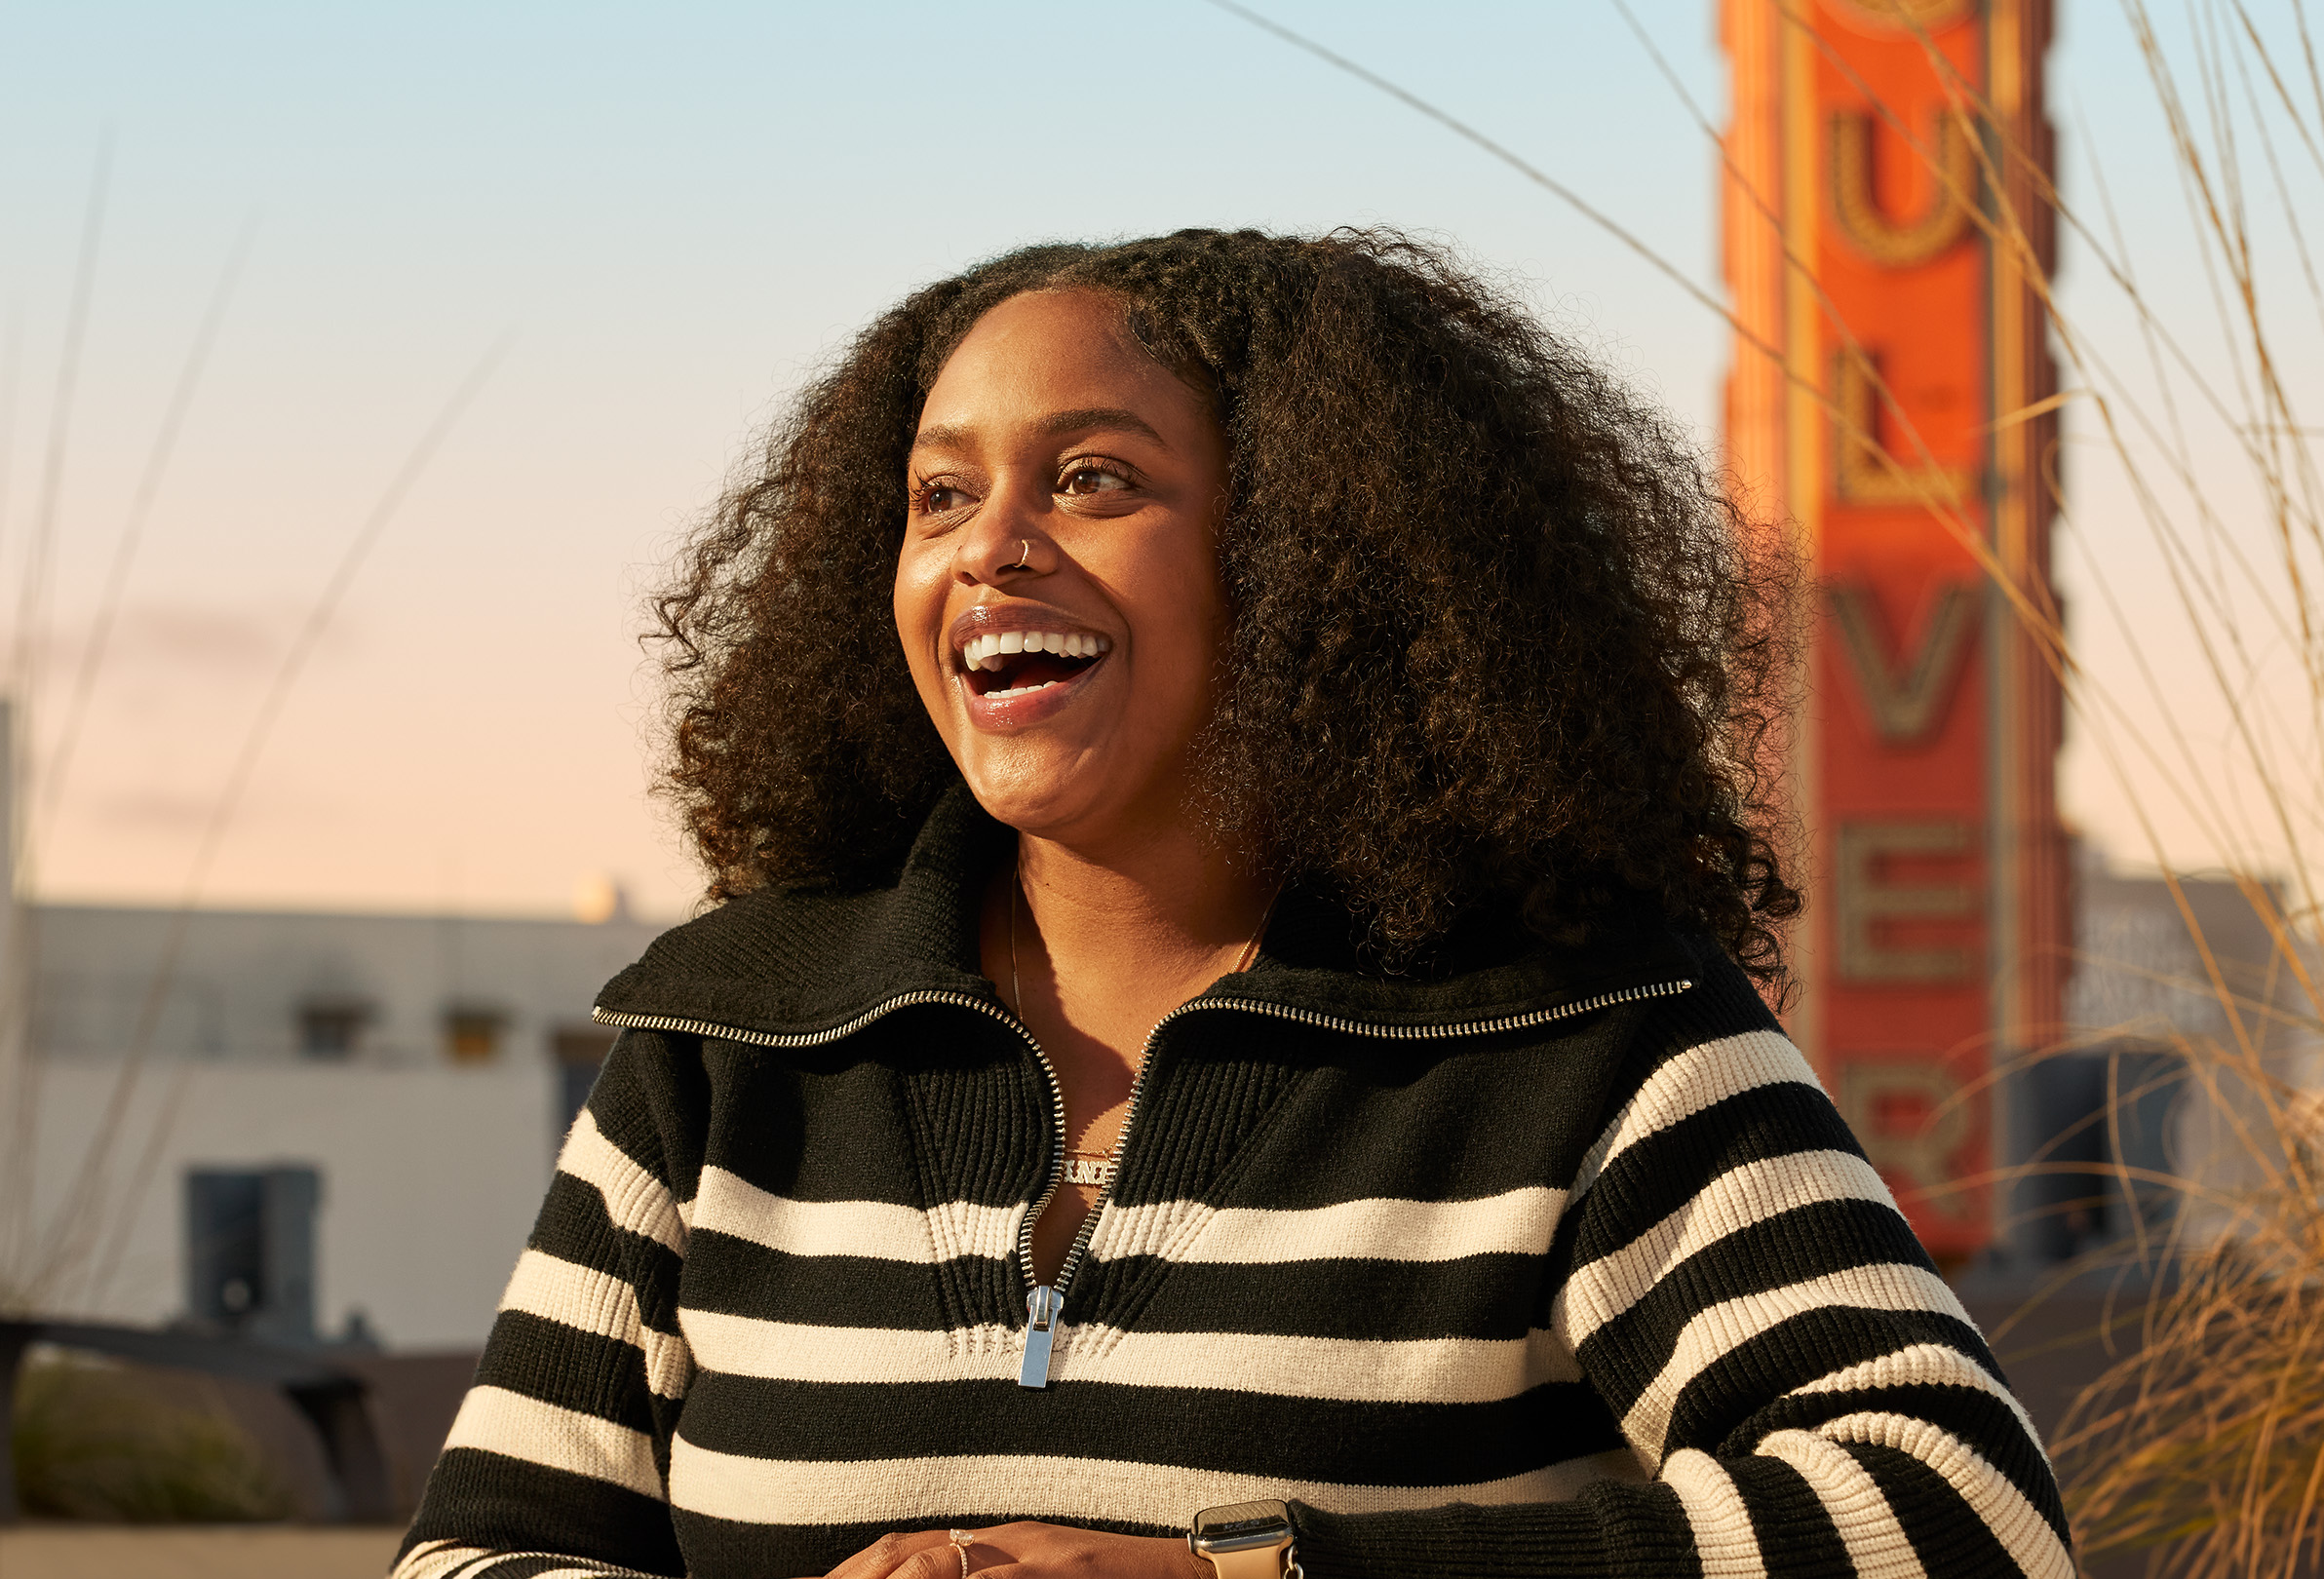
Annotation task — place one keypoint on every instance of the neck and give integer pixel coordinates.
(1153, 912)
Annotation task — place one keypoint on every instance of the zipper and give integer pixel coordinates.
(1045, 1303)
(848, 1028)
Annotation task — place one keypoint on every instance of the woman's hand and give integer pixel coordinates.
(1026, 1551)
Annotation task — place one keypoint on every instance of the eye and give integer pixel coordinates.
(941, 498)
(1092, 479)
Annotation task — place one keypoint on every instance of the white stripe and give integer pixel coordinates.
(1923, 1364)
(1716, 1330)
(1876, 1544)
(579, 1296)
(634, 1199)
(431, 1560)
(1519, 1222)
(1692, 1081)
(1161, 1228)
(898, 1492)
(448, 1559)
(2016, 1524)
(1725, 1543)
(499, 1421)
(879, 1230)
(1602, 1290)
(1447, 1371)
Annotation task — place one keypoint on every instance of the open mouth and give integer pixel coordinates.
(1005, 664)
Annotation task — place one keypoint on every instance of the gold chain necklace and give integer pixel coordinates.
(1098, 1167)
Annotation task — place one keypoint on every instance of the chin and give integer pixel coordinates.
(1027, 810)
(1054, 794)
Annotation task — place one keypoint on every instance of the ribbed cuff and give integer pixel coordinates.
(1618, 1532)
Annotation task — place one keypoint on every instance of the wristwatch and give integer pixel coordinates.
(1247, 1540)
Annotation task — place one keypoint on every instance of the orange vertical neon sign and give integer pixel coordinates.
(1886, 340)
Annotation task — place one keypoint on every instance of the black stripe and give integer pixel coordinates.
(1660, 1172)
(1797, 1537)
(573, 1226)
(499, 1503)
(1217, 1104)
(1946, 1532)
(1975, 1418)
(1230, 1431)
(737, 1278)
(556, 1363)
(1459, 1119)
(1481, 1296)
(931, 1102)
(1611, 1531)
(1717, 1410)
(1811, 1241)
(647, 1081)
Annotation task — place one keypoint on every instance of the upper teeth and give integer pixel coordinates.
(986, 651)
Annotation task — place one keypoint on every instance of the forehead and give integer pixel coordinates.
(1050, 351)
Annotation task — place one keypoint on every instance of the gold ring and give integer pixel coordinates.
(961, 1540)
(1024, 552)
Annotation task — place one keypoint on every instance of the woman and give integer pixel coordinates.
(1253, 1004)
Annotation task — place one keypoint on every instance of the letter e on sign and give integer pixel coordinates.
(1864, 897)
(1910, 1117)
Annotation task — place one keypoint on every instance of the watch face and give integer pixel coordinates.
(1242, 1521)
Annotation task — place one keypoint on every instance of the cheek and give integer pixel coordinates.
(1185, 611)
(918, 605)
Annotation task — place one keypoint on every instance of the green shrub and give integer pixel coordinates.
(89, 1445)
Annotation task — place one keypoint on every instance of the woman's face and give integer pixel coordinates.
(1057, 591)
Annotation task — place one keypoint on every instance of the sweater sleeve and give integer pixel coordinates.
(559, 1458)
(1807, 1396)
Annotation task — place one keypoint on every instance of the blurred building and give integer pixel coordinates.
(305, 1127)
(2185, 1000)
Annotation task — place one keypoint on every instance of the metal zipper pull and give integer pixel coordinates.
(1044, 1309)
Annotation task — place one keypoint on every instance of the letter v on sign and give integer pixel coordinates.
(1904, 697)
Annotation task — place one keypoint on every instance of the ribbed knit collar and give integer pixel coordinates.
(797, 963)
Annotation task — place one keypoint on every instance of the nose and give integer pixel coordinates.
(1006, 542)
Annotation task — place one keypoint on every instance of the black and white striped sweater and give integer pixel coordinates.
(1558, 1265)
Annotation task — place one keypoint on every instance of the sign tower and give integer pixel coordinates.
(1885, 240)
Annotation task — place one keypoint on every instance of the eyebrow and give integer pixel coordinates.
(1082, 420)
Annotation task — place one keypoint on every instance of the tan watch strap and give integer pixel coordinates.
(1260, 1563)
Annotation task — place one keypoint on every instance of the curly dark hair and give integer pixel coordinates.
(1498, 634)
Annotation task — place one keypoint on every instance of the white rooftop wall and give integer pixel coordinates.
(430, 1180)
(431, 1168)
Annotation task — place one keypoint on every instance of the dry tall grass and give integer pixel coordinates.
(2202, 1449)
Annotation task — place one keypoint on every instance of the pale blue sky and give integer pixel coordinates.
(675, 211)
